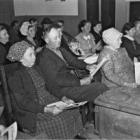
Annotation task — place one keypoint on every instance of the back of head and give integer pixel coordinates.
(60, 22)
(2, 27)
(96, 22)
(111, 35)
(127, 26)
(46, 20)
(52, 26)
(14, 23)
(32, 20)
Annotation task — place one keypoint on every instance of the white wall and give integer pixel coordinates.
(45, 7)
(71, 22)
(122, 13)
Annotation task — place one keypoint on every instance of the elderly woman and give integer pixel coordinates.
(119, 69)
(85, 38)
(31, 96)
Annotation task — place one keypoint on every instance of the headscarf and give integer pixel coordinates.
(24, 28)
(111, 35)
(17, 51)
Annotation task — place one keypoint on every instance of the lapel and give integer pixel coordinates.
(54, 56)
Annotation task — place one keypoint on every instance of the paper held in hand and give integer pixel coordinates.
(11, 131)
(63, 105)
(92, 73)
(137, 72)
(91, 59)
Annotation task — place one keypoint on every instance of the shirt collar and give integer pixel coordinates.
(129, 37)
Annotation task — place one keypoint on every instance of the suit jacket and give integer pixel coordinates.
(72, 60)
(60, 82)
(24, 99)
(132, 47)
(55, 72)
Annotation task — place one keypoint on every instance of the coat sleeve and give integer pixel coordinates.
(23, 98)
(73, 60)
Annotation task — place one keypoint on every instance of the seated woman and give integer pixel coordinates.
(29, 89)
(29, 31)
(128, 42)
(119, 69)
(97, 30)
(86, 39)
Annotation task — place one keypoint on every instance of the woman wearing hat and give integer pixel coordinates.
(29, 89)
(28, 30)
(119, 70)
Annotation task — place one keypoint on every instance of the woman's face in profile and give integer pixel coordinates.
(29, 57)
(4, 36)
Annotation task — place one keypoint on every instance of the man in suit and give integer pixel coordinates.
(59, 79)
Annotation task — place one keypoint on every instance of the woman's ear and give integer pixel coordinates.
(82, 28)
(46, 40)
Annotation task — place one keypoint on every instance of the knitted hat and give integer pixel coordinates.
(17, 51)
(24, 28)
(111, 35)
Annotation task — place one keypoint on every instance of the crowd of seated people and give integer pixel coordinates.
(29, 89)
(49, 59)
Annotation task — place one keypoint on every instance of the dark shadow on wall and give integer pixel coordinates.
(92, 10)
(6, 11)
(134, 11)
(108, 13)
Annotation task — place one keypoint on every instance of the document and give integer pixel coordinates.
(11, 131)
(137, 72)
(63, 105)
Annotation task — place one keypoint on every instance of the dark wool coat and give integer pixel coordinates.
(61, 82)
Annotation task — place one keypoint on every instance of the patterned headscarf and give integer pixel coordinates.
(17, 51)
(111, 35)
